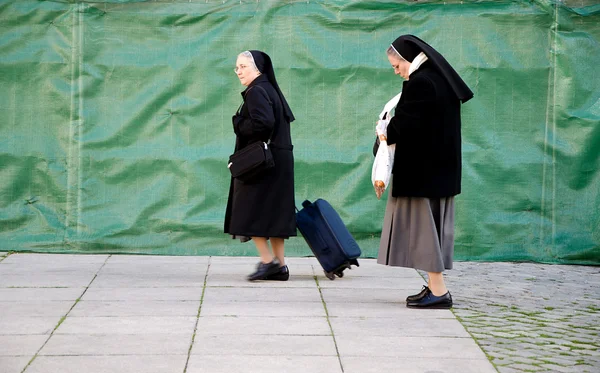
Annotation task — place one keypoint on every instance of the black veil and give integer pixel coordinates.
(409, 46)
(265, 66)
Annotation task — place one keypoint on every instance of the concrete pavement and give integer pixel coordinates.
(102, 313)
(118, 313)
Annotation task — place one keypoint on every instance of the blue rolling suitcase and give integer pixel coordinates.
(329, 239)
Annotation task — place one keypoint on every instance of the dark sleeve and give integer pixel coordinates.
(419, 98)
(262, 118)
(376, 146)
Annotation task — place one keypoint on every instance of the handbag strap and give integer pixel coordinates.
(268, 99)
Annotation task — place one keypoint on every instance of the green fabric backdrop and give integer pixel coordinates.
(116, 119)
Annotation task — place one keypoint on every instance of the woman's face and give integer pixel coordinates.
(245, 71)
(400, 66)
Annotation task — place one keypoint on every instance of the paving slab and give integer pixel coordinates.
(263, 308)
(43, 279)
(263, 292)
(40, 294)
(245, 325)
(118, 344)
(158, 260)
(256, 364)
(164, 269)
(408, 347)
(370, 268)
(227, 280)
(252, 260)
(35, 308)
(407, 326)
(13, 364)
(262, 344)
(50, 261)
(67, 267)
(128, 325)
(26, 325)
(389, 310)
(380, 364)
(358, 282)
(149, 279)
(368, 295)
(21, 345)
(240, 270)
(90, 308)
(142, 294)
(105, 364)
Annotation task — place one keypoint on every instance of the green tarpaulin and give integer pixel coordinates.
(116, 119)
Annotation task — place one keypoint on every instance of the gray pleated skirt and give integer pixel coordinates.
(418, 233)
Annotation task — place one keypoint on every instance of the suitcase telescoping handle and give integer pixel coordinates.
(306, 203)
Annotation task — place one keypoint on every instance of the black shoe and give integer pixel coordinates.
(416, 297)
(282, 275)
(432, 301)
(263, 270)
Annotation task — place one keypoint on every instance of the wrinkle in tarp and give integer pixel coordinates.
(116, 124)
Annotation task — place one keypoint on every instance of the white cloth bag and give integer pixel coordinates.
(384, 159)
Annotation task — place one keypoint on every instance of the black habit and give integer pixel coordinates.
(426, 131)
(264, 206)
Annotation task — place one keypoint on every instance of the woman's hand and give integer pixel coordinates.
(381, 128)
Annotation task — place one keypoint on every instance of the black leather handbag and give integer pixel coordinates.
(251, 161)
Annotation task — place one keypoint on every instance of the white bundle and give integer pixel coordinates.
(384, 159)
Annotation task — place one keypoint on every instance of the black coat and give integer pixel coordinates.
(264, 206)
(426, 131)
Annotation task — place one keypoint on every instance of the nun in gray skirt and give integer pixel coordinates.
(418, 228)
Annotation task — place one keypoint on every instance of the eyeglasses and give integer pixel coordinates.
(238, 68)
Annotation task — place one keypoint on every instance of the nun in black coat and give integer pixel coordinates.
(263, 209)
(418, 228)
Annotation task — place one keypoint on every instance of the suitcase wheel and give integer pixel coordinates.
(330, 275)
(339, 272)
